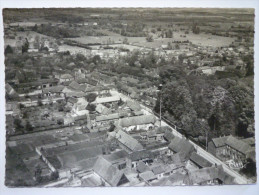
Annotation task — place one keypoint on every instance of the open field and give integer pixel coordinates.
(201, 39)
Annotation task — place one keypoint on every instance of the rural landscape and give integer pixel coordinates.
(129, 97)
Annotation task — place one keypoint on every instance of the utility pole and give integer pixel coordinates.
(206, 140)
(160, 106)
(160, 109)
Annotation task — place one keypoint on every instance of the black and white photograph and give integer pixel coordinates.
(129, 97)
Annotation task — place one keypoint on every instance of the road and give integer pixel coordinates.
(238, 178)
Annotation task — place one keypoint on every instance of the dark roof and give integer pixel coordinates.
(55, 89)
(168, 135)
(199, 160)
(116, 156)
(140, 155)
(238, 145)
(220, 141)
(107, 171)
(72, 100)
(183, 146)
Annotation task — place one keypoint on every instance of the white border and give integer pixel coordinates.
(208, 190)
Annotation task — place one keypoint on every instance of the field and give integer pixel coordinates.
(197, 39)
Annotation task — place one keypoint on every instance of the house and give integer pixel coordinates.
(65, 78)
(79, 108)
(12, 108)
(142, 167)
(69, 120)
(118, 159)
(209, 176)
(152, 135)
(10, 92)
(217, 146)
(181, 146)
(199, 160)
(109, 173)
(112, 99)
(145, 122)
(101, 109)
(168, 135)
(142, 155)
(174, 168)
(158, 171)
(71, 101)
(132, 105)
(105, 119)
(127, 142)
(230, 148)
(53, 91)
(75, 85)
(147, 176)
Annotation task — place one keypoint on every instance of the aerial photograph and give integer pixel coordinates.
(99, 97)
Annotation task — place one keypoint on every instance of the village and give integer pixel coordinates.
(73, 121)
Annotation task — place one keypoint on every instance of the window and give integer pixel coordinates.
(122, 166)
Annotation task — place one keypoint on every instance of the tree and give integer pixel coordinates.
(35, 28)
(149, 38)
(91, 107)
(8, 50)
(40, 103)
(250, 168)
(28, 126)
(195, 29)
(96, 59)
(91, 97)
(36, 43)
(25, 46)
(18, 124)
(169, 34)
(169, 45)
(37, 173)
(125, 40)
(177, 46)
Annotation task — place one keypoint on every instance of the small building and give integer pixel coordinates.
(109, 173)
(230, 148)
(181, 146)
(53, 91)
(147, 176)
(143, 155)
(65, 78)
(127, 142)
(142, 167)
(111, 99)
(199, 160)
(145, 122)
(158, 171)
(103, 120)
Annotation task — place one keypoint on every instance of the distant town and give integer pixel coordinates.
(129, 97)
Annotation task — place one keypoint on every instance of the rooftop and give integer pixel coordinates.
(137, 120)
